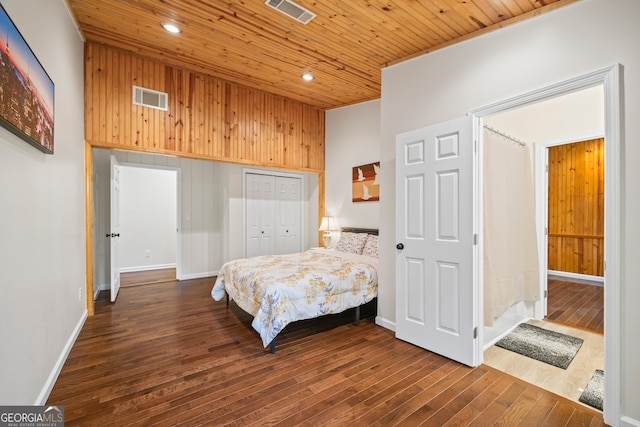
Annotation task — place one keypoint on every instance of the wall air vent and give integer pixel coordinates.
(150, 98)
(291, 9)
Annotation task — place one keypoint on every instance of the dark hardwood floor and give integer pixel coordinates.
(141, 278)
(167, 354)
(574, 304)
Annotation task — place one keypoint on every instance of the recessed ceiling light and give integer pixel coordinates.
(171, 28)
(307, 77)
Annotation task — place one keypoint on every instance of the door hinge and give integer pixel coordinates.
(475, 239)
(475, 145)
(546, 168)
(546, 292)
(475, 332)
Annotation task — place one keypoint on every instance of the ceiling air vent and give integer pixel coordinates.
(291, 9)
(150, 98)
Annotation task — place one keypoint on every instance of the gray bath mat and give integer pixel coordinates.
(541, 344)
(593, 394)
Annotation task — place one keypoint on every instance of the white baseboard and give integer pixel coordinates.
(381, 321)
(198, 275)
(576, 276)
(629, 422)
(101, 287)
(147, 267)
(53, 376)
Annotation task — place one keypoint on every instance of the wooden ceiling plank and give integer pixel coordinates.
(249, 43)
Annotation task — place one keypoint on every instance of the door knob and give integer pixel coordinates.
(400, 246)
(107, 235)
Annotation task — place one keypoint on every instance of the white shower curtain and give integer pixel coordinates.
(510, 246)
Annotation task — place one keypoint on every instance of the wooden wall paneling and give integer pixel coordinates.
(232, 120)
(108, 101)
(218, 113)
(89, 89)
(591, 182)
(247, 128)
(117, 87)
(177, 122)
(576, 207)
(125, 106)
(99, 104)
(169, 128)
(274, 133)
(207, 118)
(600, 229)
(158, 116)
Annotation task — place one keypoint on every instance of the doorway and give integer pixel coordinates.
(561, 229)
(567, 118)
(148, 218)
(610, 80)
(152, 189)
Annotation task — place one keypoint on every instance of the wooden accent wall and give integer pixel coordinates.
(208, 118)
(576, 207)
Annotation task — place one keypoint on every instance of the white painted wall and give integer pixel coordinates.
(566, 118)
(148, 208)
(233, 209)
(352, 138)
(199, 247)
(211, 216)
(42, 226)
(568, 42)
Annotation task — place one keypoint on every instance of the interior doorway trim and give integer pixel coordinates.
(178, 197)
(542, 212)
(611, 79)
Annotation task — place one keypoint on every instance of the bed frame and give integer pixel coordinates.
(374, 231)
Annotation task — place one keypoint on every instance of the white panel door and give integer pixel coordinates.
(260, 199)
(434, 236)
(115, 227)
(288, 215)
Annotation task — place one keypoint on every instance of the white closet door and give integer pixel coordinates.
(288, 215)
(260, 205)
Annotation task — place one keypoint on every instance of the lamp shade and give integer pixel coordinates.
(328, 224)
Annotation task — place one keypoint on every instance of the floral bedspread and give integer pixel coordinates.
(280, 289)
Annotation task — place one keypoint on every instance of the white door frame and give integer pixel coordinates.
(178, 197)
(542, 209)
(611, 79)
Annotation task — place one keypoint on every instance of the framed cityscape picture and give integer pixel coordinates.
(26, 90)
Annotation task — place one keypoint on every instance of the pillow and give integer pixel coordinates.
(371, 247)
(351, 242)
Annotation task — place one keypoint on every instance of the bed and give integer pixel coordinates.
(279, 289)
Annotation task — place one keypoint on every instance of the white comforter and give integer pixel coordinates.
(279, 289)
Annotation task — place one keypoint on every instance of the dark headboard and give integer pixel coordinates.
(360, 230)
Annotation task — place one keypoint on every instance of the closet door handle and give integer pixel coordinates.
(400, 246)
